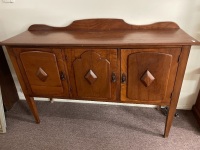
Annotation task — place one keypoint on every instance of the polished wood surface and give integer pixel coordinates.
(96, 71)
(42, 70)
(33, 108)
(137, 65)
(102, 63)
(102, 60)
(135, 62)
(104, 38)
(147, 78)
(177, 88)
(103, 32)
(103, 25)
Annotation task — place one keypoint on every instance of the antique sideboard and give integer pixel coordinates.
(102, 60)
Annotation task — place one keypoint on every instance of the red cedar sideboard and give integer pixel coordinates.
(102, 60)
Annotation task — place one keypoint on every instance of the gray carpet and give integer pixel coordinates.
(74, 126)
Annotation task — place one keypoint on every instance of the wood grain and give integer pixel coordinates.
(147, 78)
(102, 38)
(103, 32)
(33, 108)
(103, 25)
(135, 62)
(29, 100)
(93, 74)
(177, 88)
(30, 60)
(87, 59)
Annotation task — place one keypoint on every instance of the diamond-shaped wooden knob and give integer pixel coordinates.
(147, 78)
(41, 74)
(90, 77)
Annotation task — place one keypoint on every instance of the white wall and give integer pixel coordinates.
(17, 17)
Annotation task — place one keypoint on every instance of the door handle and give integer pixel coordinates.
(113, 77)
(62, 76)
(123, 78)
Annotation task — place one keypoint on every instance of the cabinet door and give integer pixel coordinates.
(93, 73)
(43, 70)
(150, 74)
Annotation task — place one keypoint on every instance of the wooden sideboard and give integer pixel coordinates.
(196, 109)
(102, 60)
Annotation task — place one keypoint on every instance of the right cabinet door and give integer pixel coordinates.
(148, 75)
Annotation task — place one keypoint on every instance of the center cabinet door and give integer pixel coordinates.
(148, 75)
(43, 70)
(93, 73)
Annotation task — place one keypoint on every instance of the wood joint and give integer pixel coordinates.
(66, 58)
(171, 95)
(179, 58)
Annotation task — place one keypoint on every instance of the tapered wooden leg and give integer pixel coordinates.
(182, 62)
(169, 120)
(33, 108)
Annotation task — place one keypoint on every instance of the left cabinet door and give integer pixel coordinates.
(43, 71)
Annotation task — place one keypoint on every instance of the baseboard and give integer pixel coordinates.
(196, 113)
(21, 96)
(184, 107)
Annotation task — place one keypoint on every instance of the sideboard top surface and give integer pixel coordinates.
(102, 32)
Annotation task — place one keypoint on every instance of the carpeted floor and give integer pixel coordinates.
(74, 126)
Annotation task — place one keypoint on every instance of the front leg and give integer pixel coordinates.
(33, 108)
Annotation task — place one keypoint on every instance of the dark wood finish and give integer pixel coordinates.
(92, 71)
(42, 70)
(34, 62)
(196, 109)
(137, 65)
(103, 32)
(177, 87)
(103, 38)
(104, 60)
(104, 25)
(8, 89)
(33, 108)
(91, 77)
(29, 100)
(41, 74)
(147, 78)
(135, 62)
